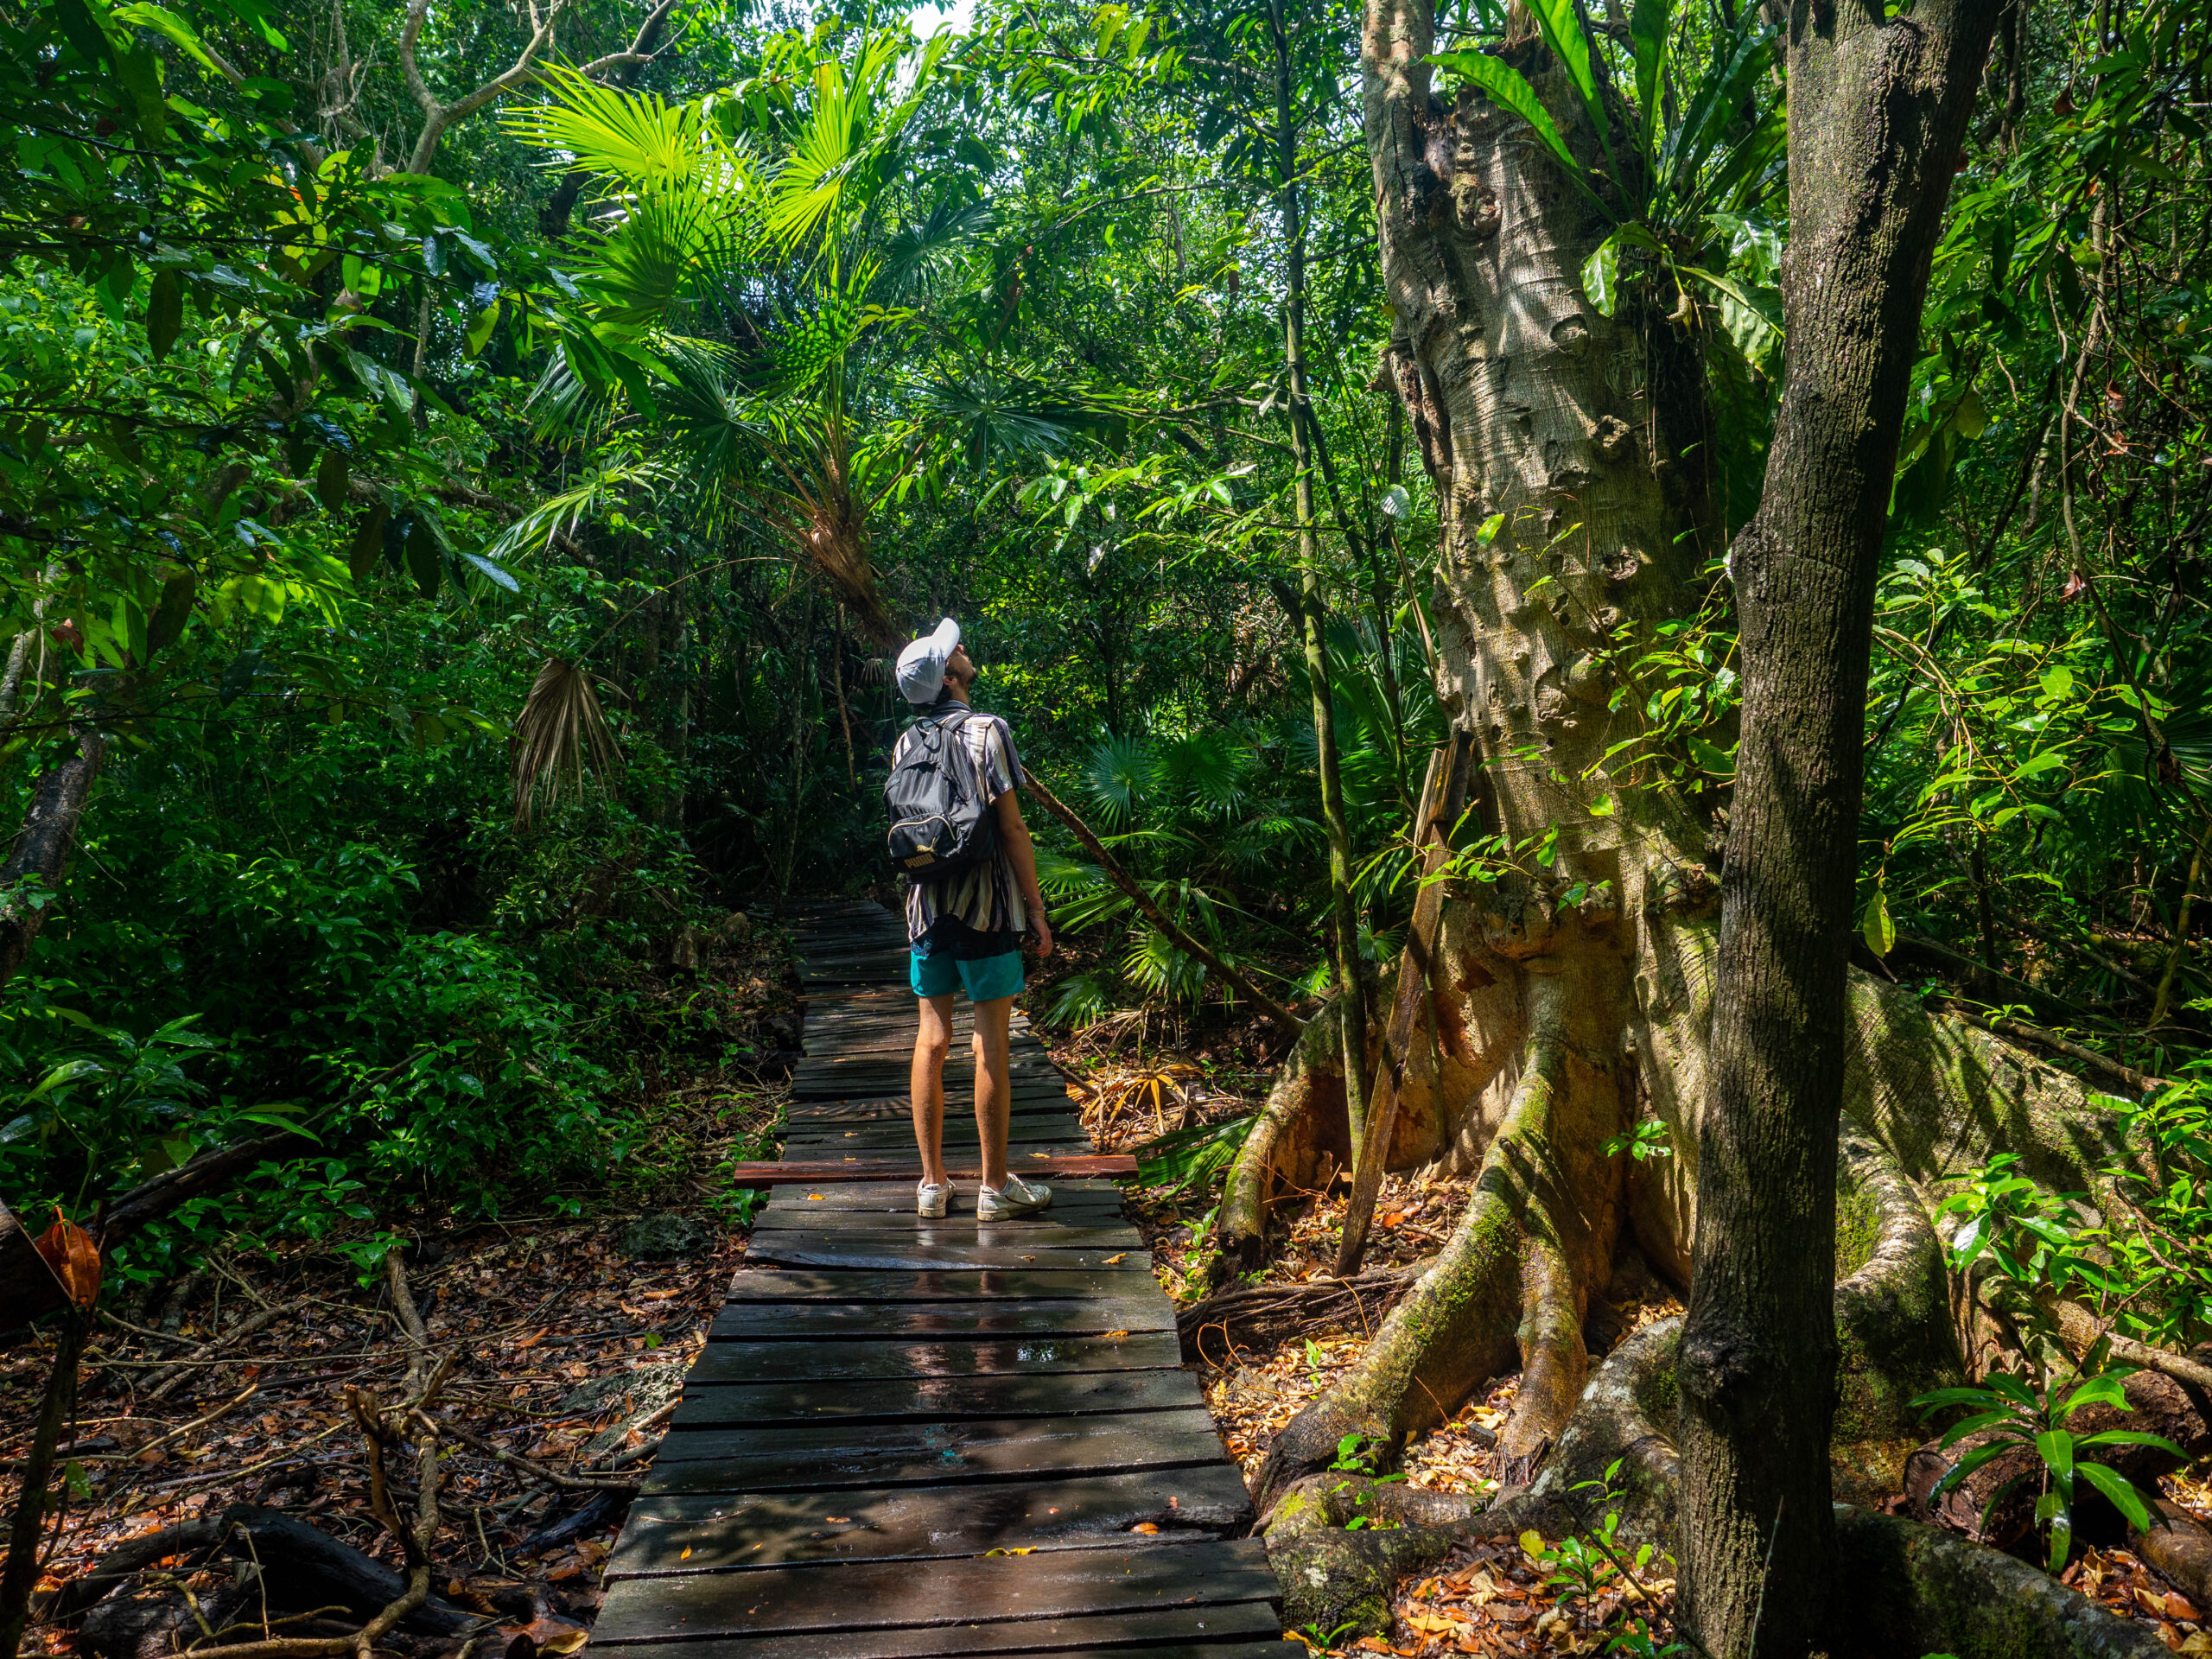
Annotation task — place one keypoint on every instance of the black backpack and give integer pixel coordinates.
(941, 825)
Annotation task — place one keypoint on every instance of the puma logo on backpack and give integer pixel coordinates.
(941, 825)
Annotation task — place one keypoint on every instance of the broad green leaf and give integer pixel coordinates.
(1601, 275)
(479, 329)
(1878, 930)
(1647, 31)
(172, 27)
(1560, 24)
(332, 478)
(499, 575)
(2055, 1447)
(164, 312)
(2120, 1491)
(1504, 87)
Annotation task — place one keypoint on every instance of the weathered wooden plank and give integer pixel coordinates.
(1055, 1226)
(870, 1456)
(876, 1168)
(1062, 1583)
(767, 1322)
(1057, 1276)
(1238, 1630)
(1065, 1394)
(716, 1532)
(897, 1193)
(941, 1273)
(834, 1360)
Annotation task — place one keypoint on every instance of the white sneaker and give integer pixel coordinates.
(930, 1200)
(1016, 1198)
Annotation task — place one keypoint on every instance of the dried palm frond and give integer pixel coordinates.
(561, 730)
(1116, 1096)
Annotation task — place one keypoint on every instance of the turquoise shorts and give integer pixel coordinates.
(985, 979)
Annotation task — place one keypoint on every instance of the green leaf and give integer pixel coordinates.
(368, 541)
(2055, 1447)
(164, 312)
(170, 27)
(170, 616)
(237, 676)
(479, 329)
(1647, 33)
(422, 557)
(503, 578)
(1601, 275)
(332, 476)
(1503, 85)
(81, 24)
(2134, 1436)
(1878, 930)
(2105, 1390)
(1561, 25)
(2121, 1492)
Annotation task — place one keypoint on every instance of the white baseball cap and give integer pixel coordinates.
(921, 665)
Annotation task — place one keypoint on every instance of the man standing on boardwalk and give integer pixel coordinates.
(965, 932)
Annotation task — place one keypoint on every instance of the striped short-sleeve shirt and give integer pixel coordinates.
(980, 911)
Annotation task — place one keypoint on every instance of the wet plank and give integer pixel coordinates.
(891, 1594)
(880, 1253)
(709, 1533)
(1238, 1630)
(739, 1322)
(867, 1456)
(936, 1398)
(1019, 1355)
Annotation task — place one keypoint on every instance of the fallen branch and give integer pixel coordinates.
(2081, 1330)
(1260, 1316)
(538, 1471)
(2019, 1031)
(208, 1352)
(1291, 1024)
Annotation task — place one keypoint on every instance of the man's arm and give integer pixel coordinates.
(1023, 853)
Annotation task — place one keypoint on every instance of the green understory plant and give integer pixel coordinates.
(2017, 1416)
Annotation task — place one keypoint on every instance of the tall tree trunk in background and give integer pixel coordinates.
(42, 845)
(1351, 992)
(1878, 109)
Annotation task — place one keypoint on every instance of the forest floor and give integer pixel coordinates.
(571, 1332)
(1498, 1595)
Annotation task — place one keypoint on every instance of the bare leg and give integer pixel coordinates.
(931, 1044)
(994, 1088)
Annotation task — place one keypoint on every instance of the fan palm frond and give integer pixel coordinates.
(638, 138)
(840, 153)
(561, 731)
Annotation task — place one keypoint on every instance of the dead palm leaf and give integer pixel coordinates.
(561, 730)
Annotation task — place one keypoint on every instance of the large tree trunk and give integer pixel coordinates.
(1877, 108)
(1573, 997)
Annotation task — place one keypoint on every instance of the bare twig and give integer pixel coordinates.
(536, 1471)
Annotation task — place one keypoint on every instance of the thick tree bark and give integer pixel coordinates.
(1878, 109)
(1574, 984)
(44, 844)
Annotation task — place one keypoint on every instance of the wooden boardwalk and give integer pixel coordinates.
(911, 1437)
